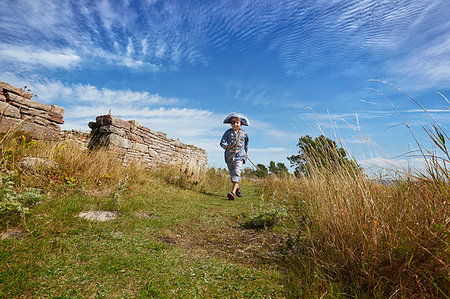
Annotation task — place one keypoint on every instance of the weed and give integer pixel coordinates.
(266, 216)
(15, 204)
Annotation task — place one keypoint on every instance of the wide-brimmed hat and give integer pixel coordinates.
(242, 117)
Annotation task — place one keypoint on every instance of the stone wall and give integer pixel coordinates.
(134, 141)
(19, 112)
(75, 136)
(138, 142)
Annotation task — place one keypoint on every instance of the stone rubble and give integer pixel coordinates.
(19, 112)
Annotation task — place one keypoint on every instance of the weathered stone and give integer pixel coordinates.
(2, 98)
(106, 120)
(101, 216)
(55, 118)
(57, 110)
(21, 92)
(34, 112)
(41, 121)
(140, 147)
(93, 125)
(115, 140)
(26, 102)
(134, 123)
(111, 129)
(32, 163)
(152, 152)
(11, 233)
(134, 137)
(35, 131)
(7, 124)
(40, 132)
(8, 110)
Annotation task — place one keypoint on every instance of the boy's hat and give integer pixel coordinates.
(242, 117)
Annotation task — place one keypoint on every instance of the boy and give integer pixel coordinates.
(235, 143)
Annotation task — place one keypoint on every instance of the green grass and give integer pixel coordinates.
(190, 247)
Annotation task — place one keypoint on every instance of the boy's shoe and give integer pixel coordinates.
(230, 196)
(238, 192)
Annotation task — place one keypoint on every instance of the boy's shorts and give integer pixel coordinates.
(235, 170)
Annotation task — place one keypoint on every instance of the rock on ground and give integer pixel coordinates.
(101, 216)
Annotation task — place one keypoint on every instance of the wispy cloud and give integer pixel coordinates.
(158, 34)
(83, 103)
(36, 56)
(427, 65)
(393, 167)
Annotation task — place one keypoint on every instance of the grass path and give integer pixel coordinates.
(189, 245)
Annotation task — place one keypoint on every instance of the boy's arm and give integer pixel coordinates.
(246, 143)
(223, 141)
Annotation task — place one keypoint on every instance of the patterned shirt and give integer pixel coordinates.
(237, 143)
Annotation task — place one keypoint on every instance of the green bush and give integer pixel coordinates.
(266, 217)
(15, 203)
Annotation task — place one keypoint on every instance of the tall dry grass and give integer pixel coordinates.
(370, 239)
(64, 164)
(360, 237)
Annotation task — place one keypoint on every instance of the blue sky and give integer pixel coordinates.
(292, 67)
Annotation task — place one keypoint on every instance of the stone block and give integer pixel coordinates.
(152, 152)
(25, 94)
(26, 102)
(134, 137)
(140, 147)
(106, 120)
(41, 121)
(55, 118)
(93, 125)
(35, 130)
(134, 123)
(8, 110)
(111, 129)
(33, 112)
(57, 110)
(7, 123)
(116, 140)
(41, 132)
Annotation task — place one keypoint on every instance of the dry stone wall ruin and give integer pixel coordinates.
(140, 143)
(19, 112)
(134, 141)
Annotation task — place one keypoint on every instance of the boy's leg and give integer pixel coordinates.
(235, 173)
(235, 186)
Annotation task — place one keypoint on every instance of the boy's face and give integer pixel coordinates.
(235, 124)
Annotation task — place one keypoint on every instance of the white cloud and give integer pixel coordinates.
(427, 66)
(75, 94)
(393, 167)
(28, 54)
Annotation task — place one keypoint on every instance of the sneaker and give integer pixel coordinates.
(238, 192)
(230, 196)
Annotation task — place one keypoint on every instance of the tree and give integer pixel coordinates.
(261, 171)
(278, 168)
(320, 154)
(273, 167)
(282, 169)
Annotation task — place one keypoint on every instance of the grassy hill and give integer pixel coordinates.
(176, 236)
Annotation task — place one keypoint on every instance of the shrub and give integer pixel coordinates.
(265, 217)
(15, 204)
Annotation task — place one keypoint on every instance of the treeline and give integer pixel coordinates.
(273, 168)
(320, 154)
